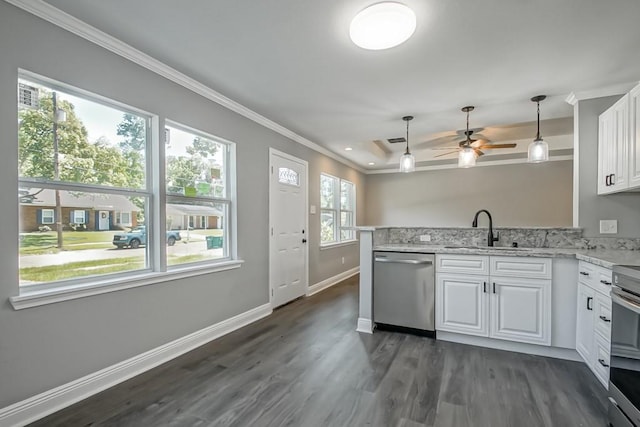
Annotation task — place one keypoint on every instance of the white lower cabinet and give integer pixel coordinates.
(509, 308)
(463, 306)
(593, 319)
(521, 310)
(584, 321)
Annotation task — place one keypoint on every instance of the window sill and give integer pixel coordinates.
(54, 295)
(338, 244)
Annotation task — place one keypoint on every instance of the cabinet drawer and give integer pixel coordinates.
(603, 280)
(601, 360)
(587, 273)
(599, 278)
(534, 268)
(602, 319)
(462, 264)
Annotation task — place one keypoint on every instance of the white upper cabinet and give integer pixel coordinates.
(613, 148)
(619, 145)
(634, 138)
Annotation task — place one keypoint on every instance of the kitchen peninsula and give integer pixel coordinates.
(545, 272)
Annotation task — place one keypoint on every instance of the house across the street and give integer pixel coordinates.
(101, 212)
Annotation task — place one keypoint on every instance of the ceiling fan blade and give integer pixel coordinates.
(445, 154)
(492, 146)
(478, 152)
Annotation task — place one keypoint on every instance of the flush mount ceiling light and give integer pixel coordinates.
(538, 149)
(382, 26)
(407, 161)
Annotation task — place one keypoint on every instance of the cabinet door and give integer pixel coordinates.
(521, 310)
(462, 303)
(605, 140)
(634, 138)
(620, 179)
(613, 148)
(584, 322)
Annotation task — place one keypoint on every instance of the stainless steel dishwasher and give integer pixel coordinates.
(404, 291)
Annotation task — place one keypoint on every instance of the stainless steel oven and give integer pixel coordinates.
(624, 378)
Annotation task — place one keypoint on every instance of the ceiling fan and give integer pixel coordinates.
(477, 145)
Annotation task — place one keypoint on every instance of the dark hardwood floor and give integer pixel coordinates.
(306, 366)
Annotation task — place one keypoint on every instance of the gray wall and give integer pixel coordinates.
(591, 207)
(44, 347)
(516, 195)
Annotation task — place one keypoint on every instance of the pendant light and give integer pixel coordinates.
(467, 155)
(538, 149)
(407, 161)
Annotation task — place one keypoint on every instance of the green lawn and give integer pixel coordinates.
(81, 268)
(44, 243)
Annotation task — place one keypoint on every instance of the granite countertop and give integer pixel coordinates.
(603, 258)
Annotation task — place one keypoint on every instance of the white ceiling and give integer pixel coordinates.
(292, 61)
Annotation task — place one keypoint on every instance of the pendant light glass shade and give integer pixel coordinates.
(466, 158)
(538, 150)
(407, 163)
(408, 160)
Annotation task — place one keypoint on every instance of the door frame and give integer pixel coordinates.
(273, 152)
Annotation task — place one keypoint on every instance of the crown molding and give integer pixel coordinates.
(80, 28)
(617, 89)
(479, 164)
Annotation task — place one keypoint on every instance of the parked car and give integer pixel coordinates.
(138, 237)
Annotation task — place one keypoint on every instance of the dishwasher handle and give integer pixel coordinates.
(405, 261)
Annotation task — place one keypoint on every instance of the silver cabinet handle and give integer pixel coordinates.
(404, 261)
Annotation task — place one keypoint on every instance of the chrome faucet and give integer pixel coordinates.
(490, 238)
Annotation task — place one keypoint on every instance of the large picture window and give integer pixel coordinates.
(337, 210)
(79, 157)
(88, 193)
(198, 196)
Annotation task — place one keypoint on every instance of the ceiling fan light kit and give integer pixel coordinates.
(382, 26)
(408, 160)
(466, 157)
(538, 151)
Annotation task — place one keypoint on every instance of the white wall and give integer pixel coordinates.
(516, 195)
(45, 347)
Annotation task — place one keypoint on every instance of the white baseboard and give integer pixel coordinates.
(518, 347)
(365, 325)
(327, 283)
(43, 404)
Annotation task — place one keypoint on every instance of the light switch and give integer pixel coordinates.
(608, 226)
(312, 209)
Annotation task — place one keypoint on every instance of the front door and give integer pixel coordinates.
(288, 232)
(103, 220)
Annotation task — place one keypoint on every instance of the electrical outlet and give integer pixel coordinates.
(425, 238)
(312, 209)
(343, 260)
(608, 226)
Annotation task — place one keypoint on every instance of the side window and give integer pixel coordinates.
(198, 195)
(337, 210)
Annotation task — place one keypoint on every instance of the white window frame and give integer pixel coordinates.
(119, 220)
(337, 210)
(76, 217)
(229, 202)
(154, 193)
(52, 216)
